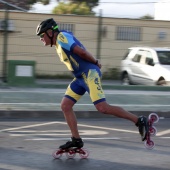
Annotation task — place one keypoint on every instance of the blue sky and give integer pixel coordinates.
(122, 9)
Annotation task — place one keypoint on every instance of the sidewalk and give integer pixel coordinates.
(43, 100)
(106, 84)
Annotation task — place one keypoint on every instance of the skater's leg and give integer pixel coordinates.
(105, 108)
(98, 98)
(140, 122)
(67, 108)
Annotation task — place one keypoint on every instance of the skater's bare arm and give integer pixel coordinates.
(86, 55)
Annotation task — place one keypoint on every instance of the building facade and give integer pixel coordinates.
(105, 38)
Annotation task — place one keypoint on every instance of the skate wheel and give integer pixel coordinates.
(149, 144)
(70, 154)
(84, 153)
(153, 130)
(154, 117)
(57, 154)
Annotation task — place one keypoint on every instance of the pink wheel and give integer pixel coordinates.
(84, 153)
(154, 117)
(70, 154)
(153, 130)
(57, 154)
(149, 144)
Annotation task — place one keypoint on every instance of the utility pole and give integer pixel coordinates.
(99, 35)
(5, 45)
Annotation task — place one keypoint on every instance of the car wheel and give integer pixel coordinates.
(161, 82)
(125, 79)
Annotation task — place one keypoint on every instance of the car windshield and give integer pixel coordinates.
(164, 57)
(126, 54)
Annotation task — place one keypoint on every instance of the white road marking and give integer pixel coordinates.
(58, 139)
(105, 128)
(29, 126)
(12, 167)
(42, 131)
(161, 118)
(59, 132)
(28, 91)
(64, 123)
(109, 92)
(56, 133)
(163, 132)
(58, 104)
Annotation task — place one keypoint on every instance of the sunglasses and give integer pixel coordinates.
(42, 35)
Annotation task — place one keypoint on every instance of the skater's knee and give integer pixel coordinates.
(102, 108)
(65, 107)
(66, 104)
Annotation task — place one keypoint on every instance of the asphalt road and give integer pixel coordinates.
(114, 144)
(27, 144)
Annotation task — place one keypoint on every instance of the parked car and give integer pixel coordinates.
(146, 66)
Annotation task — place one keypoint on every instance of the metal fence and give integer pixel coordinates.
(106, 38)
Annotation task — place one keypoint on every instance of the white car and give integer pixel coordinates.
(146, 66)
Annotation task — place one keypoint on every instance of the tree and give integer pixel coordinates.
(72, 8)
(44, 2)
(147, 17)
(90, 3)
(26, 4)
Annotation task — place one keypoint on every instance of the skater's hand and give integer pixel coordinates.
(99, 64)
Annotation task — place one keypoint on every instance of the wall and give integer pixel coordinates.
(23, 44)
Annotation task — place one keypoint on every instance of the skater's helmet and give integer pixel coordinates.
(46, 25)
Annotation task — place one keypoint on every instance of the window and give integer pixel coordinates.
(138, 56)
(143, 57)
(67, 27)
(126, 54)
(149, 59)
(164, 57)
(128, 33)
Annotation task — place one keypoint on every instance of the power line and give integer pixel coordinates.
(130, 2)
(14, 6)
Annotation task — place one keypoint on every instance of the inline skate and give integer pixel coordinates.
(71, 148)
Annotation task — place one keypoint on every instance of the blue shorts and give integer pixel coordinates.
(90, 82)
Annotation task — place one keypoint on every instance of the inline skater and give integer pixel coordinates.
(87, 77)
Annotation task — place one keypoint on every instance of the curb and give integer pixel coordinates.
(63, 84)
(105, 86)
(59, 115)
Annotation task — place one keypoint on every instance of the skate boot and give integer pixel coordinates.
(74, 143)
(71, 148)
(142, 125)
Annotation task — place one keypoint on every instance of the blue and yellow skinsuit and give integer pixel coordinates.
(87, 75)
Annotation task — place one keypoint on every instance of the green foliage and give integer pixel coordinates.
(32, 2)
(147, 17)
(72, 8)
(111, 74)
(90, 3)
(57, 76)
(45, 2)
(28, 3)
